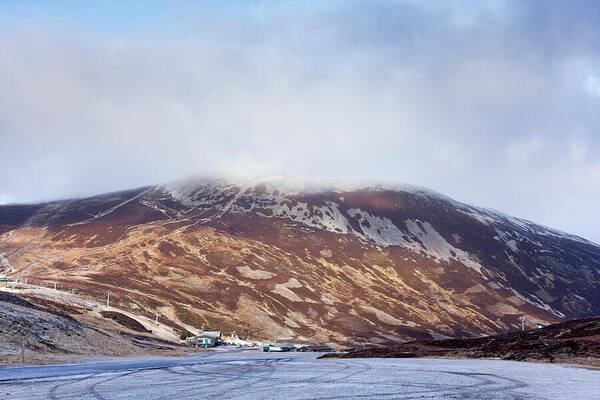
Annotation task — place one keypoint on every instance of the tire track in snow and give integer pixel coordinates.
(52, 392)
(93, 387)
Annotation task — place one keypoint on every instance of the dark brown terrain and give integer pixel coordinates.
(125, 321)
(306, 262)
(576, 341)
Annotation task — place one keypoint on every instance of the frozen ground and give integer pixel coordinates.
(258, 375)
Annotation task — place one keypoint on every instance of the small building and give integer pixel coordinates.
(6, 279)
(281, 347)
(205, 339)
(316, 349)
(234, 340)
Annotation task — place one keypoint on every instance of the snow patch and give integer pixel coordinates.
(387, 318)
(485, 220)
(437, 247)
(282, 289)
(380, 230)
(512, 244)
(250, 273)
(4, 263)
(537, 303)
(500, 219)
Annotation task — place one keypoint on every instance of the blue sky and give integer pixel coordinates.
(127, 16)
(493, 103)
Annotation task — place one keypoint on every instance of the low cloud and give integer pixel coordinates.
(495, 104)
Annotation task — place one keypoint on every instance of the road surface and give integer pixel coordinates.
(258, 375)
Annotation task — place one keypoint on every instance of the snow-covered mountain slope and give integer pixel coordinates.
(307, 260)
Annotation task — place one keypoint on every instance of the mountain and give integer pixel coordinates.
(309, 261)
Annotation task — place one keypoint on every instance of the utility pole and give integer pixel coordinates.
(108, 298)
(54, 285)
(157, 314)
(522, 319)
(23, 353)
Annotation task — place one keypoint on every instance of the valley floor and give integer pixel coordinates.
(257, 375)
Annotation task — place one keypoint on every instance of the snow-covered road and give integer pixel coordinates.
(257, 375)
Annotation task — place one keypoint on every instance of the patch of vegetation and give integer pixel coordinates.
(185, 334)
(125, 321)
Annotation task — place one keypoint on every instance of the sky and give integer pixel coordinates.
(493, 103)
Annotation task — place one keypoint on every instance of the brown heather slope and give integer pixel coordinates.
(286, 260)
(576, 341)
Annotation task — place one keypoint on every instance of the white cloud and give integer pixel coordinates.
(479, 102)
(523, 150)
(592, 85)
